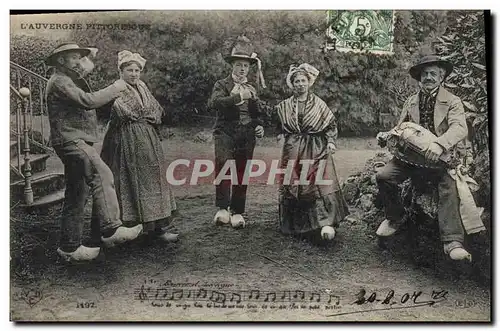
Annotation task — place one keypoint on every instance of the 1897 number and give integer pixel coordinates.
(86, 304)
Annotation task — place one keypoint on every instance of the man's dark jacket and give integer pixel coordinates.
(228, 113)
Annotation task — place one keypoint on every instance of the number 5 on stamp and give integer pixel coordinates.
(360, 31)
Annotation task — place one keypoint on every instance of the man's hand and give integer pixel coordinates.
(259, 131)
(330, 147)
(382, 138)
(433, 152)
(246, 94)
(120, 84)
(280, 137)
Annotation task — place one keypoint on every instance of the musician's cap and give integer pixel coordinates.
(430, 60)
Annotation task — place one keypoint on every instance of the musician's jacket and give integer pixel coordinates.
(449, 121)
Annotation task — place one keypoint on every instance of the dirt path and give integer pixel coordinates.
(257, 257)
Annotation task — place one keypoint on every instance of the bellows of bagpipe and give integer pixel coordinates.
(408, 143)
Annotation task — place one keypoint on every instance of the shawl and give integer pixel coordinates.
(317, 117)
(138, 104)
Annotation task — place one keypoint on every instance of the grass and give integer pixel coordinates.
(190, 133)
(255, 257)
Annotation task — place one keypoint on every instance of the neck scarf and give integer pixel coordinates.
(241, 84)
(426, 107)
(432, 93)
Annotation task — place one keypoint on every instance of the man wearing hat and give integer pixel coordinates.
(442, 113)
(73, 131)
(236, 128)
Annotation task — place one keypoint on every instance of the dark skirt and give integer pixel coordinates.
(306, 216)
(307, 208)
(134, 153)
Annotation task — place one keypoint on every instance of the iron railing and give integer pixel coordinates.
(22, 97)
(38, 126)
(29, 125)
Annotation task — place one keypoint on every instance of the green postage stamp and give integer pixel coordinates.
(361, 31)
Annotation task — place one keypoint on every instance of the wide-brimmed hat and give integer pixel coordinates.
(63, 48)
(430, 60)
(242, 50)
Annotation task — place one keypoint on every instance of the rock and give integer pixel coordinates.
(428, 202)
(368, 188)
(351, 219)
(365, 201)
(169, 134)
(203, 137)
(419, 236)
(350, 191)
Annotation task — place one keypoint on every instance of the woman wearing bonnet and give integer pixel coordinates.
(132, 149)
(308, 131)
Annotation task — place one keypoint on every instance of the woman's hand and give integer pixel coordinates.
(153, 119)
(330, 147)
(280, 138)
(259, 131)
(132, 117)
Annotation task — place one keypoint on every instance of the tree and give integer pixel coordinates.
(184, 52)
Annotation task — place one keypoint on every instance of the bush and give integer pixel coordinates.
(185, 57)
(29, 52)
(464, 45)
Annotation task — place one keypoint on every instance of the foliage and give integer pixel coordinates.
(29, 52)
(464, 45)
(185, 53)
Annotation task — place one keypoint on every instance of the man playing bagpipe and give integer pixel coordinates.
(426, 143)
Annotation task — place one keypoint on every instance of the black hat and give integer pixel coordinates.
(242, 50)
(429, 60)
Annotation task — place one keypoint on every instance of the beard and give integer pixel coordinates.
(85, 67)
(425, 85)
